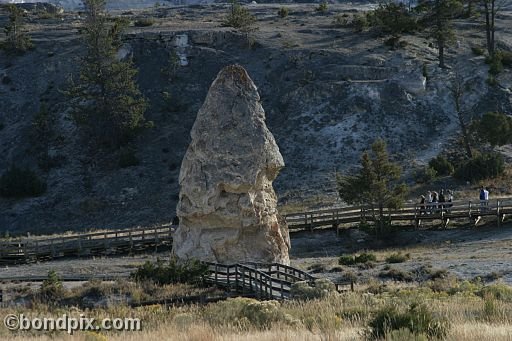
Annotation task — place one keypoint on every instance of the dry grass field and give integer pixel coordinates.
(468, 311)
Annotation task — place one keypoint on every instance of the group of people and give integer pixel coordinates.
(434, 201)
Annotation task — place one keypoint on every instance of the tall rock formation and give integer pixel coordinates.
(227, 205)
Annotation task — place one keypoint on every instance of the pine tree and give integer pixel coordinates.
(495, 128)
(376, 184)
(107, 102)
(17, 41)
(439, 14)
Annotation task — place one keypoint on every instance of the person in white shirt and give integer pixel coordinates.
(484, 198)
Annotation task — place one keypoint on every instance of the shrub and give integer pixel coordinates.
(357, 259)
(322, 7)
(439, 273)
(52, 289)
(397, 275)
(417, 319)
(425, 175)
(492, 309)
(481, 167)
(477, 50)
(441, 165)
(302, 290)
(446, 285)
(191, 271)
(346, 260)
(282, 12)
(495, 128)
(17, 41)
(246, 313)
(398, 258)
(359, 22)
(424, 71)
(495, 63)
(238, 17)
(18, 183)
(340, 20)
(403, 334)
(366, 257)
(392, 18)
(499, 291)
(144, 22)
(491, 81)
(506, 58)
(128, 158)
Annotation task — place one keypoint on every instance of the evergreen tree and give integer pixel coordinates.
(495, 128)
(107, 101)
(17, 41)
(438, 16)
(490, 10)
(376, 184)
(239, 17)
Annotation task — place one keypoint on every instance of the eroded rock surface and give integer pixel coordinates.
(227, 205)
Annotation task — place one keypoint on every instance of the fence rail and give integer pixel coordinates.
(266, 281)
(98, 243)
(24, 250)
(415, 213)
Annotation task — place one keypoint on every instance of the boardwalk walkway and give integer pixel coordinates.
(260, 280)
(26, 250)
(415, 214)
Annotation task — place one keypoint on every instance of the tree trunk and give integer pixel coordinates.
(440, 44)
(488, 26)
(465, 135)
(381, 218)
(470, 8)
(492, 26)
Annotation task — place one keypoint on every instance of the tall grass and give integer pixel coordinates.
(475, 313)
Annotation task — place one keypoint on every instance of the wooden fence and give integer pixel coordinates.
(25, 250)
(99, 243)
(266, 281)
(415, 214)
(261, 280)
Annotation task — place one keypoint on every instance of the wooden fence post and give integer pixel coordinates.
(227, 276)
(498, 213)
(237, 281)
(37, 249)
(79, 245)
(156, 240)
(243, 280)
(271, 287)
(52, 249)
(416, 219)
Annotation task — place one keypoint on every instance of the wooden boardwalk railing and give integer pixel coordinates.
(260, 280)
(266, 281)
(338, 218)
(25, 250)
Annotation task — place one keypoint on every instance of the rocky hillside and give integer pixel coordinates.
(328, 92)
